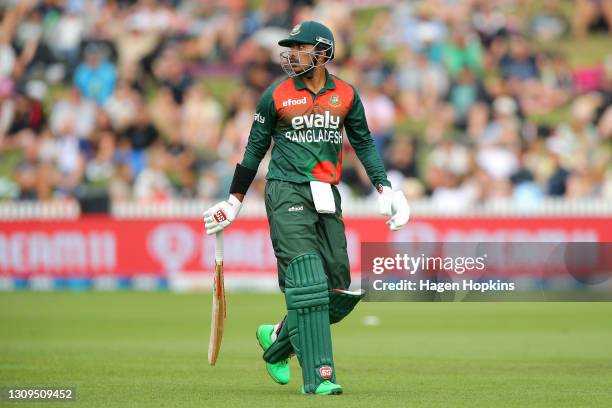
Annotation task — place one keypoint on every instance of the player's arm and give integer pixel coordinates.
(391, 203)
(222, 214)
(359, 135)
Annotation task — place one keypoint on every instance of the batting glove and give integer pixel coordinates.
(221, 215)
(400, 210)
(385, 199)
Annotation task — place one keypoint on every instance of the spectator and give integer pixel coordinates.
(69, 161)
(401, 162)
(27, 114)
(422, 27)
(163, 111)
(65, 36)
(170, 72)
(32, 182)
(236, 131)
(7, 110)
(468, 100)
(152, 184)
(96, 77)
(463, 50)
(380, 114)
(505, 122)
(603, 115)
(589, 12)
(548, 24)
(378, 69)
(141, 134)
(519, 63)
(576, 142)
(164, 96)
(201, 119)
(101, 168)
(123, 105)
(74, 113)
(488, 21)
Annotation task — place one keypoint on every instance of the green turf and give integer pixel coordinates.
(149, 350)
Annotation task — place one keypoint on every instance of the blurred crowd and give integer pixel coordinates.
(118, 100)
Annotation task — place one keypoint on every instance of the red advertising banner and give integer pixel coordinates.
(105, 246)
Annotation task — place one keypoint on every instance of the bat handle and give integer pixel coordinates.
(219, 247)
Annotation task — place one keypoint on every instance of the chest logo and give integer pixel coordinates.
(293, 102)
(334, 100)
(316, 120)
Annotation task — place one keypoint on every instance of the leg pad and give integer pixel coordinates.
(307, 320)
(341, 304)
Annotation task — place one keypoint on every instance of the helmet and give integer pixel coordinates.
(308, 32)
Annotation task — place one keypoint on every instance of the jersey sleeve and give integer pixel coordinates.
(359, 135)
(260, 137)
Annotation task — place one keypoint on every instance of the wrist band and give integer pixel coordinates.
(243, 177)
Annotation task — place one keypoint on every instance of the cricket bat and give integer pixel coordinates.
(218, 304)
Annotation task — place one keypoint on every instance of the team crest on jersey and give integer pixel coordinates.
(334, 100)
(296, 30)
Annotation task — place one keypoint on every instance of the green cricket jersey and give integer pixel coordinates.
(307, 132)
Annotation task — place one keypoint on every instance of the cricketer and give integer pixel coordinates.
(305, 114)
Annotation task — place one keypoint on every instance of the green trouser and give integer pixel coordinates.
(297, 228)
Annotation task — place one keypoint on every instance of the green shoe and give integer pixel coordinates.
(278, 371)
(327, 388)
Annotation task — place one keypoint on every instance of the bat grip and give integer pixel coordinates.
(219, 247)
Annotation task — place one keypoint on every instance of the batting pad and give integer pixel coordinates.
(308, 319)
(281, 348)
(341, 304)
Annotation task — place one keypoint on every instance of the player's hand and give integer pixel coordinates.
(221, 215)
(400, 210)
(385, 199)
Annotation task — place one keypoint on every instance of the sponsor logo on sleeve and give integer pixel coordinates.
(259, 118)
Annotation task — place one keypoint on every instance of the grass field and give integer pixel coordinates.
(149, 350)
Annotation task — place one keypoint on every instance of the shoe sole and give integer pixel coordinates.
(332, 392)
(336, 391)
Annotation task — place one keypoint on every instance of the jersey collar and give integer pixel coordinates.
(299, 83)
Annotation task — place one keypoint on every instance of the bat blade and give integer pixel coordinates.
(218, 306)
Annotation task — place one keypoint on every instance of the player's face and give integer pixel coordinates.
(300, 58)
